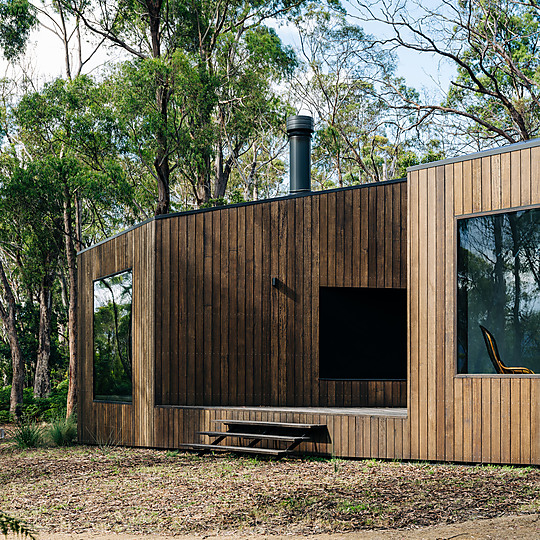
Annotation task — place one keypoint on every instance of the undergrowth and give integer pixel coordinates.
(62, 431)
(13, 525)
(28, 434)
(37, 409)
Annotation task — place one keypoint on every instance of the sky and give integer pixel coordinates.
(421, 71)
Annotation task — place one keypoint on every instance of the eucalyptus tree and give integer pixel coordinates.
(68, 144)
(493, 47)
(8, 314)
(31, 238)
(363, 133)
(18, 18)
(201, 70)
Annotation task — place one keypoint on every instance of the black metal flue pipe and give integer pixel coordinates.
(299, 130)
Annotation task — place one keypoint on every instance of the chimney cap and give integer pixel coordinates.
(300, 122)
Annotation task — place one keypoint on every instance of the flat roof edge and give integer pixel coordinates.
(246, 203)
(484, 153)
(109, 238)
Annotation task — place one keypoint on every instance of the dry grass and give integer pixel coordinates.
(149, 491)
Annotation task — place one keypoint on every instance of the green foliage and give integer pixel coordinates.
(62, 431)
(192, 106)
(36, 409)
(45, 409)
(13, 525)
(28, 434)
(74, 139)
(211, 203)
(17, 19)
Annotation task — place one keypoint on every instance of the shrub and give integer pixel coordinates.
(5, 417)
(5, 393)
(28, 434)
(57, 401)
(62, 432)
(37, 409)
(16, 526)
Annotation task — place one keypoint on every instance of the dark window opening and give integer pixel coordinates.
(112, 338)
(363, 333)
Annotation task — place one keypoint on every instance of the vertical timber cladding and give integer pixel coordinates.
(467, 417)
(226, 336)
(119, 423)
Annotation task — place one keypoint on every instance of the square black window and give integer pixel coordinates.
(363, 333)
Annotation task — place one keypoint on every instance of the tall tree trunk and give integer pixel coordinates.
(8, 315)
(248, 188)
(203, 186)
(222, 176)
(62, 328)
(499, 299)
(42, 380)
(72, 309)
(518, 330)
(218, 171)
(161, 163)
(78, 222)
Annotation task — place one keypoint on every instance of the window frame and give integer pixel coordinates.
(457, 219)
(101, 278)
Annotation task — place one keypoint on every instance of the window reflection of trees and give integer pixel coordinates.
(112, 338)
(499, 287)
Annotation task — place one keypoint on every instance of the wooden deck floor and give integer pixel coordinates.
(392, 412)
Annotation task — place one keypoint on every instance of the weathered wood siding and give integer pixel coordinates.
(209, 328)
(349, 434)
(226, 336)
(113, 423)
(480, 418)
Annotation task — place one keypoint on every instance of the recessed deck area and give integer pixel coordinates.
(380, 432)
(392, 412)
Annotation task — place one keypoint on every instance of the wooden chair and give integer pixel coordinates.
(493, 351)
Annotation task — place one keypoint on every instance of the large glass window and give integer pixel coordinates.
(112, 338)
(499, 290)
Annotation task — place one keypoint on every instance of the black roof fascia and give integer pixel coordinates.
(246, 203)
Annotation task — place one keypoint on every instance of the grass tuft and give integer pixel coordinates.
(62, 431)
(28, 435)
(9, 524)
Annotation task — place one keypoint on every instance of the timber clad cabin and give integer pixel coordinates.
(354, 310)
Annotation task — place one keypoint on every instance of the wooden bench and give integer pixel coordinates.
(253, 432)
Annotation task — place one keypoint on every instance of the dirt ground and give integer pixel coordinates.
(120, 493)
(525, 527)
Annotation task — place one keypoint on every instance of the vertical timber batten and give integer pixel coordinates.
(264, 332)
(477, 418)
(120, 423)
(210, 329)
